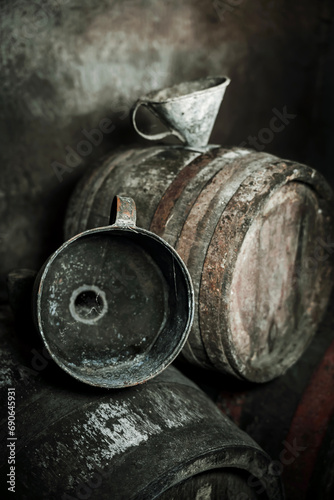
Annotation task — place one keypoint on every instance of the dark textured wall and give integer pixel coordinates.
(68, 64)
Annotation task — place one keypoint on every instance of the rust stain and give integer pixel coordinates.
(192, 231)
(166, 205)
(218, 268)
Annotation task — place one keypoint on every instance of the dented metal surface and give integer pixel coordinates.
(114, 305)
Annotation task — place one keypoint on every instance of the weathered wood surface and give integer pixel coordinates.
(136, 443)
(254, 232)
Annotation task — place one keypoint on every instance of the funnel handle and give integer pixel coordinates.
(154, 137)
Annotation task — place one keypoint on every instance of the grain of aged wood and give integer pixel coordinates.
(137, 443)
(249, 227)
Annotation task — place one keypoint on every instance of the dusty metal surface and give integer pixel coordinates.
(219, 210)
(130, 444)
(188, 110)
(114, 305)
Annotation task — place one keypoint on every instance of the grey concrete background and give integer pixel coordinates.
(67, 64)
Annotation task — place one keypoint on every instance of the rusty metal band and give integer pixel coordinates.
(169, 206)
(226, 241)
(193, 233)
(175, 190)
(195, 238)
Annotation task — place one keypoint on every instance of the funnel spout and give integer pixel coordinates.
(188, 110)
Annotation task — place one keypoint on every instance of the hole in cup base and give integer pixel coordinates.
(88, 304)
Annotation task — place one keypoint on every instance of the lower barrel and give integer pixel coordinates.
(164, 439)
(253, 231)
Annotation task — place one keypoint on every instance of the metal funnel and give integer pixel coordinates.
(188, 110)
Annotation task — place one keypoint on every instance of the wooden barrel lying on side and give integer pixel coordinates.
(253, 231)
(163, 439)
(293, 418)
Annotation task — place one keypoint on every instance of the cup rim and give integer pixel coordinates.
(169, 358)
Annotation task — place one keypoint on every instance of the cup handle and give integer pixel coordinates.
(123, 212)
(154, 137)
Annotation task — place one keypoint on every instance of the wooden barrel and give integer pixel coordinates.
(163, 439)
(253, 231)
(293, 418)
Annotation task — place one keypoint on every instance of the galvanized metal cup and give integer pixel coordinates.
(114, 305)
